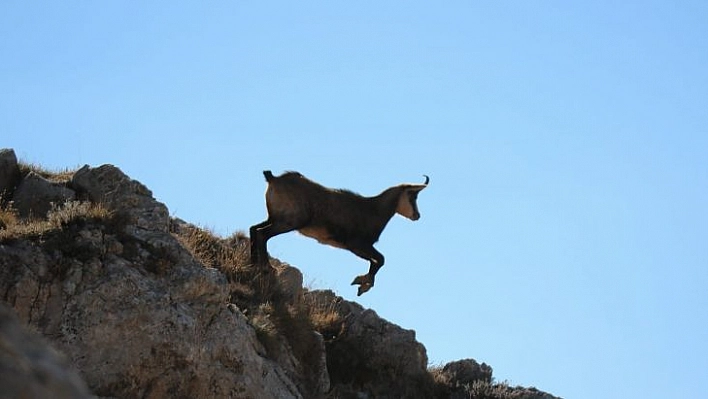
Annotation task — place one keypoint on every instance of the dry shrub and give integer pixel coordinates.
(57, 176)
(14, 227)
(8, 218)
(230, 255)
(73, 211)
(481, 389)
(324, 316)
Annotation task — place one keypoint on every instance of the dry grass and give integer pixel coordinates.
(324, 319)
(14, 227)
(57, 176)
(280, 320)
(480, 389)
(230, 256)
(8, 218)
(324, 316)
(488, 390)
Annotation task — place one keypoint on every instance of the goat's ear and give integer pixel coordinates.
(416, 187)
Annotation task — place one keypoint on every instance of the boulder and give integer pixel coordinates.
(109, 186)
(289, 281)
(465, 372)
(9, 173)
(371, 357)
(31, 368)
(457, 378)
(36, 196)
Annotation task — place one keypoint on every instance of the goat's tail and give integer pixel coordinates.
(268, 175)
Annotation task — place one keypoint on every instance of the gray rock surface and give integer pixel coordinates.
(35, 196)
(31, 368)
(466, 371)
(9, 173)
(133, 310)
(371, 357)
(108, 185)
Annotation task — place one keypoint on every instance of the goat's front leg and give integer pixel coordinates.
(259, 253)
(376, 261)
(261, 233)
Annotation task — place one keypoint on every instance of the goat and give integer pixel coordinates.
(339, 218)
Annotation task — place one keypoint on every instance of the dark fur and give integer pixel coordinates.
(341, 218)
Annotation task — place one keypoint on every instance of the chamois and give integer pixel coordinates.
(339, 218)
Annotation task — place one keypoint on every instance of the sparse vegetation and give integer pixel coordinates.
(501, 390)
(279, 319)
(8, 218)
(58, 176)
(480, 389)
(285, 316)
(324, 317)
(230, 255)
(14, 227)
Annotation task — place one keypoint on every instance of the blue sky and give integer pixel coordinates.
(564, 234)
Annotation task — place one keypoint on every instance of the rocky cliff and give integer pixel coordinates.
(103, 293)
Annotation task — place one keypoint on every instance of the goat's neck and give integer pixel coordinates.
(387, 201)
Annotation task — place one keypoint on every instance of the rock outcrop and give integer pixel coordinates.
(9, 173)
(31, 368)
(35, 196)
(142, 305)
(369, 356)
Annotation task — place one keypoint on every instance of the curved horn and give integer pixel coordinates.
(427, 179)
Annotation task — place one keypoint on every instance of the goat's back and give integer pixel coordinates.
(313, 207)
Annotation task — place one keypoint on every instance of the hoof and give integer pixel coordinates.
(363, 288)
(365, 283)
(364, 279)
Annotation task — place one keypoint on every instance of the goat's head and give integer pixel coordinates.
(407, 201)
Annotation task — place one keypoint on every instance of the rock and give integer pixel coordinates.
(457, 378)
(372, 357)
(108, 185)
(137, 314)
(36, 196)
(133, 333)
(289, 281)
(467, 379)
(484, 390)
(465, 372)
(30, 368)
(9, 173)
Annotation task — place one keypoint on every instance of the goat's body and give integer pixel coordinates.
(339, 218)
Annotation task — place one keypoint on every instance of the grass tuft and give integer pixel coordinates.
(480, 389)
(230, 256)
(57, 176)
(8, 218)
(13, 227)
(324, 316)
